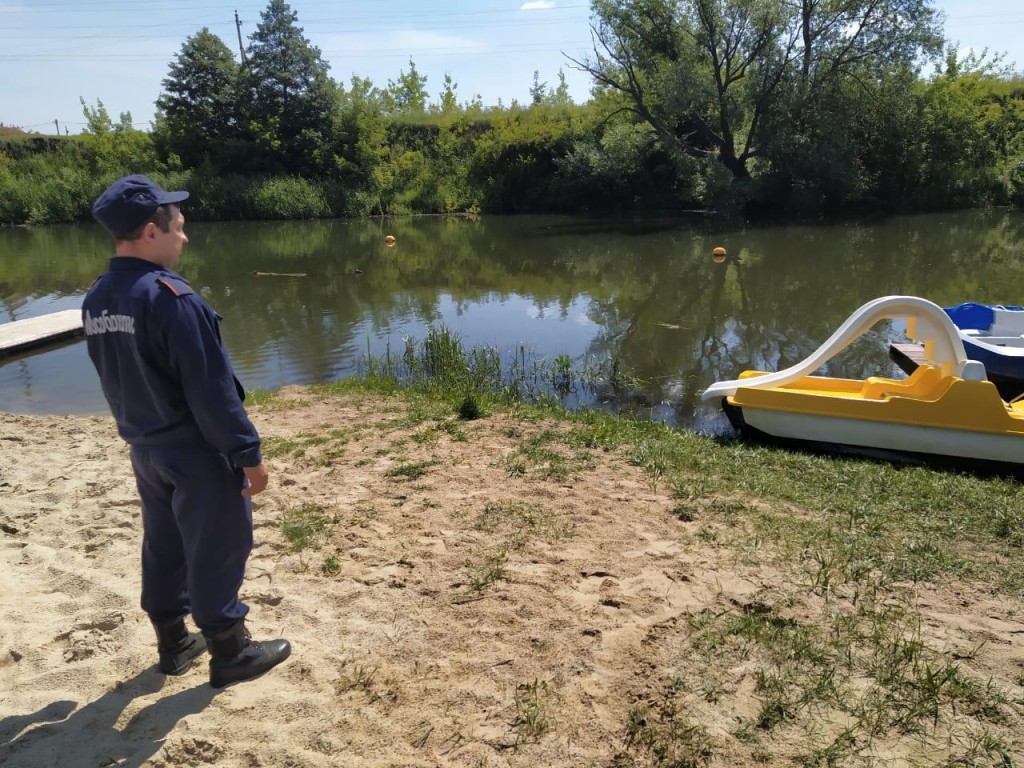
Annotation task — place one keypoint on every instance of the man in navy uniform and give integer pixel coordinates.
(166, 376)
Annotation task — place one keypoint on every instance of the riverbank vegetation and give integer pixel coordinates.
(738, 106)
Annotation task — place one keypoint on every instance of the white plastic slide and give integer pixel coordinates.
(925, 321)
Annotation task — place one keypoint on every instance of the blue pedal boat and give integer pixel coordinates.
(992, 334)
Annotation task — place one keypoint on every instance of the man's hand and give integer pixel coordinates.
(257, 477)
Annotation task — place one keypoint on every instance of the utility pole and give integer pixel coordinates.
(238, 29)
(56, 125)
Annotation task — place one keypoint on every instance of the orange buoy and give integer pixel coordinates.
(718, 254)
(389, 240)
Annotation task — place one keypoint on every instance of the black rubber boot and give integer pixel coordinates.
(235, 657)
(177, 646)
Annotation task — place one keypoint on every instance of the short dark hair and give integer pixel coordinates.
(162, 217)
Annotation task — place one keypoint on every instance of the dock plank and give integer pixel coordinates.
(22, 335)
(906, 356)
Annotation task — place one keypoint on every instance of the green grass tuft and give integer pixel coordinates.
(305, 525)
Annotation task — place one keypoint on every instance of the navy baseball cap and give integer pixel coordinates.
(129, 203)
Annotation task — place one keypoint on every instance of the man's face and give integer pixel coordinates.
(166, 246)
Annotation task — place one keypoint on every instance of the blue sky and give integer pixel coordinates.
(54, 51)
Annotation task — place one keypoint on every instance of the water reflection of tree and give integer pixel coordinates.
(355, 284)
(11, 303)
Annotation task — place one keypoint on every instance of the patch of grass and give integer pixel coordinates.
(685, 513)
(420, 411)
(275, 447)
(272, 401)
(328, 457)
(304, 525)
(532, 716)
(331, 566)
(456, 432)
(425, 436)
(430, 434)
(363, 515)
(355, 676)
(315, 448)
(520, 522)
(410, 470)
(869, 669)
(481, 576)
(982, 748)
(510, 527)
(544, 454)
(666, 737)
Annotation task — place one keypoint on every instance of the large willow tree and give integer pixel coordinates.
(746, 83)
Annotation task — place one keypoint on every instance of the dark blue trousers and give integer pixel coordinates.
(196, 534)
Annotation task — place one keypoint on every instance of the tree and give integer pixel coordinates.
(98, 122)
(111, 147)
(449, 101)
(409, 93)
(289, 96)
(971, 131)
(97, 119)
(361, 138)
(197, 110)
(733, 80)
(560, 97)
(538, 91)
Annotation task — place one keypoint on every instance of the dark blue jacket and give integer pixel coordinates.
(157, 347)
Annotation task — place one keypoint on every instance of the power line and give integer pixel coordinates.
(340, 20)
(404, 51)
(149, 10)
(97, 5)
(347, 30)
(178, 7)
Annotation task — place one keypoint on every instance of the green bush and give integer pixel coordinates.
(286, 198)
(61, 196)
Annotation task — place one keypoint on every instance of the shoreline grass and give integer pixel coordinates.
(849, 678)
(842, 518)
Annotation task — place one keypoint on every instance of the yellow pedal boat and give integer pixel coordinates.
(947, 413)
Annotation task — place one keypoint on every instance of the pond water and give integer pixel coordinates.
(645, 293)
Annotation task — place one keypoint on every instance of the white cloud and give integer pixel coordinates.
(538, 5)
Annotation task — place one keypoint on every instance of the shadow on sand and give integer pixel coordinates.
(63, 733)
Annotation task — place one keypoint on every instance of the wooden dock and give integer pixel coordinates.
(22, 335)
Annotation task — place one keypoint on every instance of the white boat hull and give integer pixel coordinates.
(886, 436)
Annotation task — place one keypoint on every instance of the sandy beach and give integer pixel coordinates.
(450, 610)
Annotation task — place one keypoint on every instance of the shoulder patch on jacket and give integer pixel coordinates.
(178, 287)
